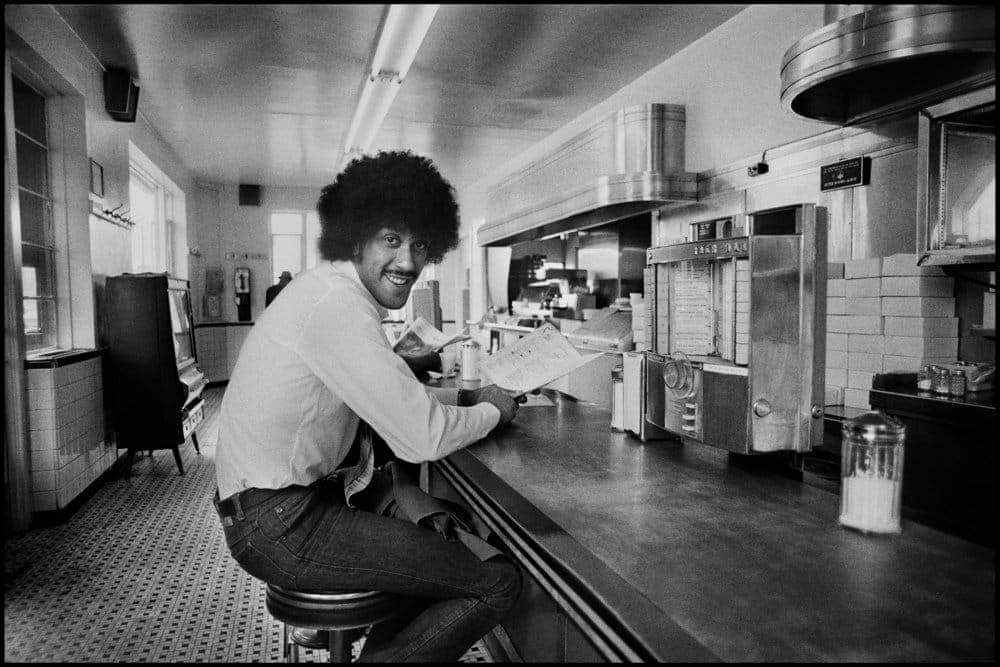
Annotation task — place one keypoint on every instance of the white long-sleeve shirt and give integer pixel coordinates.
(315, 362)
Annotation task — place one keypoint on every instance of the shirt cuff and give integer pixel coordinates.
(490, 411)
(444, 395)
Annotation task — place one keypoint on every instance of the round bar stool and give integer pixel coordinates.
(339, 612)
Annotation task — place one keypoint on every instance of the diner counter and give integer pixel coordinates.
(687, 554)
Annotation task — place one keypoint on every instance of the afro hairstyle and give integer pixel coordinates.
(394, 188)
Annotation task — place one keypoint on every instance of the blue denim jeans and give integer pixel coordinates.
(306, 538)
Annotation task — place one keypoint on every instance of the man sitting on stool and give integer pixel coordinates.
(311, 369)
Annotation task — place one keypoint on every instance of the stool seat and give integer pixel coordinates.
(330, 610)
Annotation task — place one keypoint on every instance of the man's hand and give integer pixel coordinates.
(422, 362)
(491, 394)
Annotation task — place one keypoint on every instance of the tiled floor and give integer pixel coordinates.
(141, 573)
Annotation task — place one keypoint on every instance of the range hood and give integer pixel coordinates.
(629, 163)
(872, 61)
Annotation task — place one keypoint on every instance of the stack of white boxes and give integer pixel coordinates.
(639, 322)
(885, 315)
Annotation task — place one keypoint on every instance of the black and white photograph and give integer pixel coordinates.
(704, 307)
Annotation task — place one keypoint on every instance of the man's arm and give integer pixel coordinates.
(344, 345)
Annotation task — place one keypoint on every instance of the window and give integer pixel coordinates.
(294, 239)
(38, 285)
(154, 205)
(142, 200)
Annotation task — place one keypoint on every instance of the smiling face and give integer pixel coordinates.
(389, 263)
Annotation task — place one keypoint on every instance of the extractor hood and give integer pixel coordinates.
(872, 61)
(628, 163)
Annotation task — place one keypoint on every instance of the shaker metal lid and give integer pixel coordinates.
(874, 424)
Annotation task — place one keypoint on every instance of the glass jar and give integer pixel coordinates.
(956, 382)
(925, 378)
(470, 365)
(942, 381)
(617, 398)
(871, 489)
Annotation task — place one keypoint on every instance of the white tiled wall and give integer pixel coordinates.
(885, 315)
(66, 430)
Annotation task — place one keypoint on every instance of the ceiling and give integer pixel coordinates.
(264, 93)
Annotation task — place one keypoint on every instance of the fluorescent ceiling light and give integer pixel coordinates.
(402, 33)
(376, 98)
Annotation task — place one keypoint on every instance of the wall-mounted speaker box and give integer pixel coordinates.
(249, 195)
(121, 95)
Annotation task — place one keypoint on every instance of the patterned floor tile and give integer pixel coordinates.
(141, 573)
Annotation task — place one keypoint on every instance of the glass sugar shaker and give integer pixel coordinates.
(956, 382)
(942, 381)
(925, 378)
(871, 489)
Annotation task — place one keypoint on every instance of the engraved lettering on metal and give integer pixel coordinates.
(738, 247)
(845, 174)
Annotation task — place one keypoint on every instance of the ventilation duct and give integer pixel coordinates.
(629, 163)
(872, 61)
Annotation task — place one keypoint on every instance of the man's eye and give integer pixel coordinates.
(420, 245)
(392, 239)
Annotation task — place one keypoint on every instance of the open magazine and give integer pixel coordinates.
(533, 361)
(421, 337)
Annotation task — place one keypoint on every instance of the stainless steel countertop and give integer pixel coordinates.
(751, 564)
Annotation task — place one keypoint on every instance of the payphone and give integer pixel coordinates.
(242, 290)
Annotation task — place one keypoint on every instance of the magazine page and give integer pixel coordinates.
(421, 337)
(533, 361)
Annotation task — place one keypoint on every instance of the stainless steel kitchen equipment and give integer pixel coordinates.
(626, 163)
(607, 331)
(871, 61)
(738, 332)
(956, 180)
(635, 366)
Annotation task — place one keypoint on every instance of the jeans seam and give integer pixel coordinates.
(347, 568)
(312, 531)
(276, 566)
(416, 646)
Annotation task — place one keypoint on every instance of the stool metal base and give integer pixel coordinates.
(341, 613)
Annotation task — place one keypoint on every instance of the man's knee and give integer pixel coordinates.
(507, 589)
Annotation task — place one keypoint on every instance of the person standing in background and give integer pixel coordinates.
(272, 291)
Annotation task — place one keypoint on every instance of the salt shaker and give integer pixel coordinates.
(871, 489)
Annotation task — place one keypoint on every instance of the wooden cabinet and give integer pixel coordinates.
(156, 384)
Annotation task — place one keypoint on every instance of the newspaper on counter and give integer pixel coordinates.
(533, 361)
(420, 337)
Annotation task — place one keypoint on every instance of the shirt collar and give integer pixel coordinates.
(347, 268)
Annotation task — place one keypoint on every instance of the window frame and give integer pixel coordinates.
(154, 234)
(41, 340)
(303, 235)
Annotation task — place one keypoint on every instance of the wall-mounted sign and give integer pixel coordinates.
(845, 174)
(703, 231)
